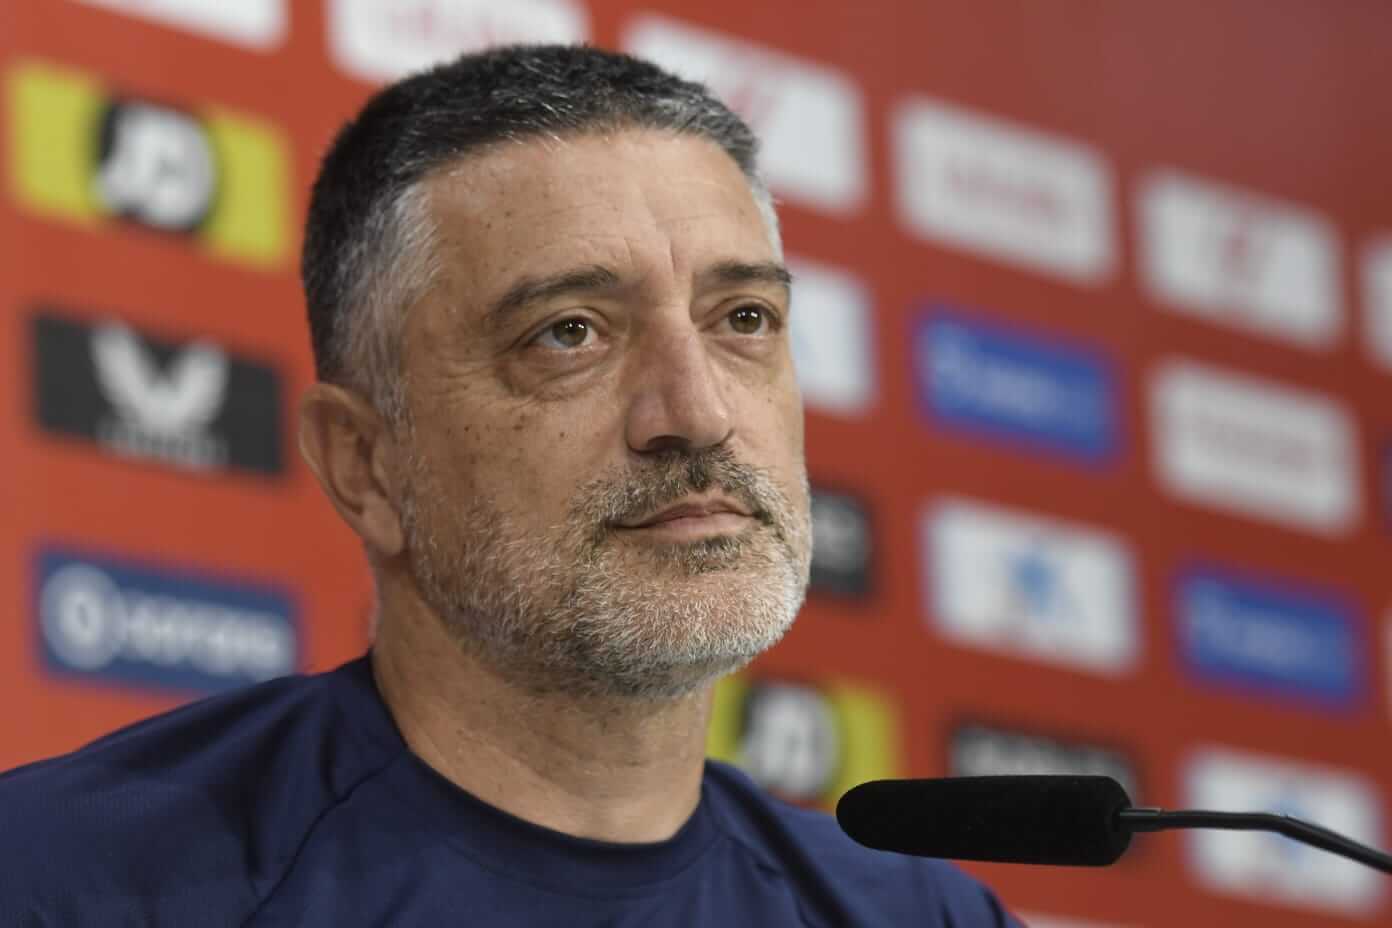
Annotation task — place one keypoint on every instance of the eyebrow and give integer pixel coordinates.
(596, 278)
(746, 272)
(532, 290)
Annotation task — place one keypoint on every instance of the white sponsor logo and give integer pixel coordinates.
(832, 339)
(258, 24)
(1233, 257)
(1377, 300)
(382, 40)
(1271, 867)
(164, 415)
(1255, 447)
(1014, 194)
(1030, 586)
(809, 117)
(89, 622)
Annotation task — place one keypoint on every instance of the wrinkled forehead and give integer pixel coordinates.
(644, 201)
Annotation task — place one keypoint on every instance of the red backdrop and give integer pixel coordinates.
(1095, 333)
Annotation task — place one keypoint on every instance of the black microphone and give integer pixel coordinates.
(1061, 820)
(1068, 820)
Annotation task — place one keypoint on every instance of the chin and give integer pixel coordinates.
(669, 683)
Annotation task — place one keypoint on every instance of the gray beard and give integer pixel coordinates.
(579, 610)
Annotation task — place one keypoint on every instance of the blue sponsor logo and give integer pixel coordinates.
(992, 382)
(117, 621)
(1269, 639)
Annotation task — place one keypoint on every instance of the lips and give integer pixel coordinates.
(690, 510)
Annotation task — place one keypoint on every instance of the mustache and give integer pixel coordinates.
(669, 476)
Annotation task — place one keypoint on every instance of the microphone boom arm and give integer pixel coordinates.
(1150, 819)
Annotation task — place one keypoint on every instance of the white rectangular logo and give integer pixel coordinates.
(832, 339)
(1239, 259)
(1255, 447)
(809, 117)
(1030, 586)
(258, 24)
(1271, 867)
(382, 40)
(1377, 300)
(1012, 193)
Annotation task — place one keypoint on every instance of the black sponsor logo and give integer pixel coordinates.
(155, 166)
(191, 404)
(977, 749)
(842, 545)
(790, 739)
(807, 741)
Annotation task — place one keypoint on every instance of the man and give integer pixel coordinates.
(556, 403)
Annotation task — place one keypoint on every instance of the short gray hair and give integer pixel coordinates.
(369, 237)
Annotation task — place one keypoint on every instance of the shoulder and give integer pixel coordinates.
(808, 849)
(209, 800)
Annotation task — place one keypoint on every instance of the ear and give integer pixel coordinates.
(347, 444)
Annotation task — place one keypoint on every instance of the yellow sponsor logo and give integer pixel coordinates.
(808, 742)
(80, 153)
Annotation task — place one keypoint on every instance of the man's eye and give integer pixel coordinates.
(568, 333)
(750, 320)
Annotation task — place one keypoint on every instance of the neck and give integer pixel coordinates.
(612, 770)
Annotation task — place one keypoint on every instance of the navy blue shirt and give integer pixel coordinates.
(296, 803)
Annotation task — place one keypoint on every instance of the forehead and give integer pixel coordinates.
(642, 201)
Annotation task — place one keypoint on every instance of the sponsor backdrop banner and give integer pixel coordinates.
(1093, 321)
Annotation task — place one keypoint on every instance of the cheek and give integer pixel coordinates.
(470, 458)
(786, 403)
(772, 423)
(792, 446)
(523, 458)
(535, 467)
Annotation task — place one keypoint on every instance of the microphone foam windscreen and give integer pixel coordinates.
(1064, 820)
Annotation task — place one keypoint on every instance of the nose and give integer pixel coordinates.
(679, 400)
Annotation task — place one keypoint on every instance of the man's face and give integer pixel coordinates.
(608, 340)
